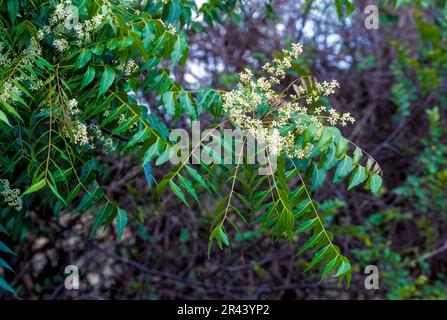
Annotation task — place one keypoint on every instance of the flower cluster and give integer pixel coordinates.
(5, 57)
(255, 106)
(8, 91)
(10, 196)
(11, 88)
(130, 67)
(81, 134)
(64, 20)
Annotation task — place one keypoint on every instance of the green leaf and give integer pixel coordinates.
(83, 58)
(5, 248)
(319, 256)
(224, 237)
(3, 230)
(306, 225)
(187, 105)
(138, 137)
(4, 118)
(358, 176)
(90, 198)
(107, 78)
(88, 77)
(330, 160)
(5, 265)
(179, 49)
(311, 242)
(104, 214)
(357, 155)
(341, 148)
(13, 9)
(178, 192)
(188, 187)
(329, 267)
(318, 177)
(152, 152)
(121, 222)
(375, 182)
(325, 140)
(164, 156)
(36, 187)
(4, 285)
(343, 169)
(196, 176)
(344, 268)
(169, 102)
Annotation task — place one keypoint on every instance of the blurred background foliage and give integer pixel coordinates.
(392, 79)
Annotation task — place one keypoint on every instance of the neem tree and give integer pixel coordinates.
(67, 69)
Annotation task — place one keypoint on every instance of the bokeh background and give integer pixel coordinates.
(393, 80)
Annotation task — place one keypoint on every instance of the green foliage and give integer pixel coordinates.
(65, 101)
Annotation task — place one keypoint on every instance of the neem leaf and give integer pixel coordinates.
(36, 187)
(83, 58)
(343, 169)
(169, 103)
(121, 222)
(107, 78)
(375, 183)
(358, 176)
(88, 77)
(318, 177)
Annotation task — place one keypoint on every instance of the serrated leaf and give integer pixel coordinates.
(4, 118)
(318, 177)
(121, 222)
(4, 285)
(169, 103)
(341, 148)
(89, 199)
(196, 176)
(164, 156)
(343, 169)
(88, 77)
(188, 187)
(330, 160)
(83, 58)
(357, 155)
(375, 183)
(138, 137)
(332, 264)
(176, 189)
(187, 105)
(311, 242)
(103, 215)
(36, 187)
(319, 256)
(179, 49)
(5, 248)
(325, 140)
(107, 78)
(5, 265)
(343, 269)
(307, 225)
(358, 176)
(224, 237)
(152, 152)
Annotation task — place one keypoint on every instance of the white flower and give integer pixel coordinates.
(60, 44)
